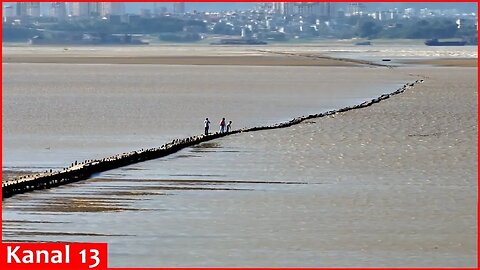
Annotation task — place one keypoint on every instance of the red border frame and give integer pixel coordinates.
(393, 1)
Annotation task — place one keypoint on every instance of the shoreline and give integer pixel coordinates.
(84, 170)
(264, 58)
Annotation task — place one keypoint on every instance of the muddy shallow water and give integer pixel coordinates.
(60, 113)
(392, 185)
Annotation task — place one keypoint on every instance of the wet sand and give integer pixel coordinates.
(271, 60)
(183, 55)
(445, 62)
(322, 54)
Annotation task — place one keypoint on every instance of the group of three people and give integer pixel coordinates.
(223, 126)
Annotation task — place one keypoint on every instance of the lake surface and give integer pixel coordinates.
(54, 114)
(283, 198)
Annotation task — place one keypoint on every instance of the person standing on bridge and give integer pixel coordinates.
(207, 125)
(229, 126)
(222, 126)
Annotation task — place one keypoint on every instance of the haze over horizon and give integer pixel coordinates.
(215, 6)
(135, 7)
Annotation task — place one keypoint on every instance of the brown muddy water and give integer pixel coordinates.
(263, 199)
(260, 199)
(54, 114)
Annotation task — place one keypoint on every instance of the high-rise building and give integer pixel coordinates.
(24, 9)
(327, 10)
(79, 9)
(58, 10)
(179, 7)
(21, 9)
(279, 7)
(33, 9)
(85, 9)
(289, 8)
(323, 9)
(356, 9)
(307, 8)
(284, 8)
(265, 7)
(111, 8)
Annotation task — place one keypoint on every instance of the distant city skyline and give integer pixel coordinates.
(137, 7)
(277, 21)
